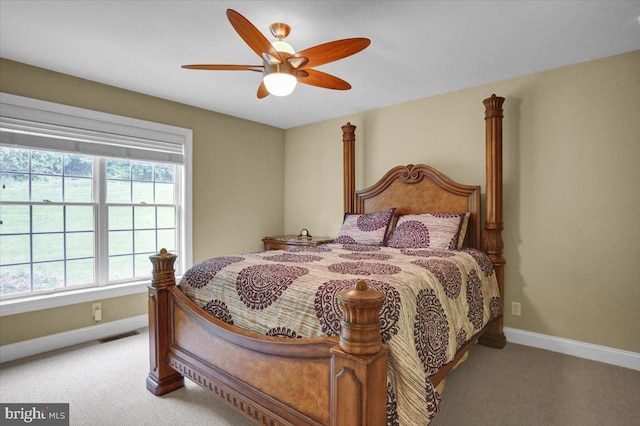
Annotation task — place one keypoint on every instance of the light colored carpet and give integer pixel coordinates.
(105, 385)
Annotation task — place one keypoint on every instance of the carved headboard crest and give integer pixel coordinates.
(411, 174)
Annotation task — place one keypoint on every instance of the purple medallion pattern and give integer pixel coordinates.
(316, 249)
(428, 253)
(483, 260)
(495, 307)
(361, 247)
(293, 258)
(219, 309)
(430, 331)
(461, 339)
(411, 233)
(260, 285)
(392, 407)
(283, 332)
(433, 400)
(373, 221)
(329, 312)
(364, 268)
(474, 299)
(346, 239)
(447, 274)
(366, 256)
(200, 274)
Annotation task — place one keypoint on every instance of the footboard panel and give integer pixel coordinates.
(268, 379)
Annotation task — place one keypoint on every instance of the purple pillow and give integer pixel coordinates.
(435, 231)
(370, 229)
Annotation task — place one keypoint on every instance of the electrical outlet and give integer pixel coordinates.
(96, 310)
(515, 308)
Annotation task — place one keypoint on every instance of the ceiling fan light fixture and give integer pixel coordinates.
(280, 83)
(283, 46)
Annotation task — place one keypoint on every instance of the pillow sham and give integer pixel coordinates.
(463, 229)
(435, 231)
(370, 229)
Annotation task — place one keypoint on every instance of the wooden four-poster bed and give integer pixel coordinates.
(341, 379)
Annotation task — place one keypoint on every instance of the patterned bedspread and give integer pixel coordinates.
(435, 301)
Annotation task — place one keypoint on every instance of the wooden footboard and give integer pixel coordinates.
(275, 381)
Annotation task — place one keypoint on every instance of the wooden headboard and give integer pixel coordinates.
(422, 189)
(415, 189)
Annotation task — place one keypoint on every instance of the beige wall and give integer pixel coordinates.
(571, 186)
(238, 181)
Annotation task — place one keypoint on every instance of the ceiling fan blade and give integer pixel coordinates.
(250, 34)
(332, 51)
(214, 67)
(262, 91)
(321, 79)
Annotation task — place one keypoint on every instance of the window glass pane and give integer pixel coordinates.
(46, 163)
(48, 275)
(80, 272)
(164, 173)
(166, 217)
(120, 242)
(78, 165)
(46, 188)
(14, 160)
(78, 190)
(164, 193)
(48, 247)
(79, 244)
(14, 186)
(120, 268)
(120, 217)
(143, 266)
(79, 218)
(118, 191)
(15, 279)
(145, 241)
(15, 219)
(141, 171)
(143, 192)
(48, 218)
(145, 217)
(118, 169)
(15, 249)
(167, 239)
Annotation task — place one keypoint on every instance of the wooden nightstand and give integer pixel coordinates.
(283, 242)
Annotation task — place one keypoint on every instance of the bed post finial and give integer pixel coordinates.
(492, 242)
(349, 163)
(162, 378)
(360, 324)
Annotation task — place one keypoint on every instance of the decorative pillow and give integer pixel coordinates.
(463, 229)
(370, 229)
(435, 231)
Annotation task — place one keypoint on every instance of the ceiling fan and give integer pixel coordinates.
(281, 66)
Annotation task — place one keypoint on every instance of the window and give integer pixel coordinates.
(84, 203)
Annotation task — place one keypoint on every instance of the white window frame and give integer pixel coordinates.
(18, 111)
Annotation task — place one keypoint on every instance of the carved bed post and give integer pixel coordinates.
(359, 362)
(349, 163)
(492, 242)
(162, 378)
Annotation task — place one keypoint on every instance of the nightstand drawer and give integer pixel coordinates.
(283, 242)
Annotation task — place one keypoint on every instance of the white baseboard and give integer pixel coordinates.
(599, 353)
(69, 338)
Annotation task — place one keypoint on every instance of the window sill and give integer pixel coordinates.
(36, 303)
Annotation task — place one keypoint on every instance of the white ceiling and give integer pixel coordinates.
(418, 48)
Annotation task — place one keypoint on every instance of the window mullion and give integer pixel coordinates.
(102, 226)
